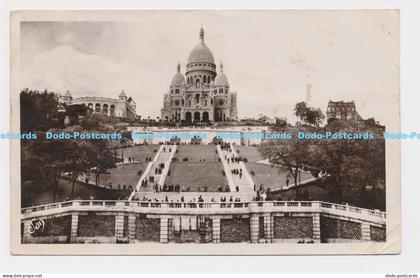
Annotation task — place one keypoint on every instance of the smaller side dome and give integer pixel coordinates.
(178, 78)
(67, 94)
(221, 78)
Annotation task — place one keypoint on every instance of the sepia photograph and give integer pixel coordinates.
(205, 132)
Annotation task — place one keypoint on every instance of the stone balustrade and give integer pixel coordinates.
(206, 208)
(110, 221)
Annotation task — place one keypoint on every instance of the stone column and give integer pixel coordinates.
(131, 226)
(268, 227)
(316, 228)
(74, 226)
(216, 230)
(255, 228)
(119, 225)
(164, 230)
(366, 231)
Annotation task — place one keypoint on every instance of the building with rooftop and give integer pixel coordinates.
(123, 106)
(341, 110)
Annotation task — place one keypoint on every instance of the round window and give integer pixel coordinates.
(221, 102)
(177, 103)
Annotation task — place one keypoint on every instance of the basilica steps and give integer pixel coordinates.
(164, 155)
(244, 183)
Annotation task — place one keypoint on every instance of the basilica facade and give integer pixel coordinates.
(203, 93)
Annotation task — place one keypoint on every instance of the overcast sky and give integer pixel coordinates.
(269, 57)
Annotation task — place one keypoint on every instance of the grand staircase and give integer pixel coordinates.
(245, 183)
(163, 156)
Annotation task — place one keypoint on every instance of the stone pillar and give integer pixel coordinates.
(131, 226)
(164, 230)
(74, 226)
(216, 230)
(119, 225)
(316, 227)
(268, 227)
(366, 231)
(255, 227)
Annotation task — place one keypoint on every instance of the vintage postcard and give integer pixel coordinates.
(205, 132)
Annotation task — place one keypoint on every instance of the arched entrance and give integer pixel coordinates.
(97, 108)
(188, 117)
(205, 116)
(196, 116)
(105, 109)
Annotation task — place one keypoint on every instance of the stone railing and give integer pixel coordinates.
(208, 208)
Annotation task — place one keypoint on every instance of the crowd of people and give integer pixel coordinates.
(199, 199)
(237, 172)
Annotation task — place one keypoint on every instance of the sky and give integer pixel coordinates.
(271, 58)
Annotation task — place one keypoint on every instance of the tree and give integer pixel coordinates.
(49, 157)
(300, 110)
(37, 110)
(79, 162)
(309, 115)
(352, 164)
(314, 116)
(293, 154)
(104, 158)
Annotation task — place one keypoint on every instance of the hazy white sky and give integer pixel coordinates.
(269, 57)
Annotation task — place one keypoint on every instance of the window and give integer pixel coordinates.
(97, 108)
(105, 109)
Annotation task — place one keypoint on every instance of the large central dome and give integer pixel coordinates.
(201, 53)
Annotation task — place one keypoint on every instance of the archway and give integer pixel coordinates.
(97, 108)
(188, 117)
(105, 109)
(196, 116)
(205, 116)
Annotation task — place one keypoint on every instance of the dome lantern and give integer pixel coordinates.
(202, 34)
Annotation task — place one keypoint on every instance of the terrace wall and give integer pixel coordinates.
(147, 229)
(333, 229)
(216, 223)
(293, 227)
(235, 230)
